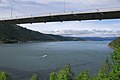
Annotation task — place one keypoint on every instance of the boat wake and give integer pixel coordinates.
(44, 56)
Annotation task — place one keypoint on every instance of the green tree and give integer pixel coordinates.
(64, 74)
(69, 72)
(115, 73)
(4, 76)
(102, 74)
(83, 75)
(34, 77)
(53, 76)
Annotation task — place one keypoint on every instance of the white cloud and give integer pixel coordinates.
(86, 33)
(28, 7)
(40, 7)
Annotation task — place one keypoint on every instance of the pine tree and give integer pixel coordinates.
(53, 76)
(4, 76)
(34, 77)
(83, 76)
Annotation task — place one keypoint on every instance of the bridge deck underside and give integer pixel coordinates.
(65, 17)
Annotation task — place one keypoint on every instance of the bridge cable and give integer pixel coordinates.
(64, 6)
(11, 15)
(93, 5)
(84, 5)
(2, 13)
(106, 6)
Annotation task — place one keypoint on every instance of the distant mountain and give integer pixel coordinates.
(99, 38)
(61, 38)
(115, 43)
(15, 33)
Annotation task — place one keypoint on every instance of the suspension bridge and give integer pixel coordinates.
(65, 16)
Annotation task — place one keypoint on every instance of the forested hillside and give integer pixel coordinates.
(115, 43)
(15, 33)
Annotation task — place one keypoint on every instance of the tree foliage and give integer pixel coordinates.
(4, 76)
(115, 73)
(34, 77)
(53, 76)
(115, 43)
(83, 76)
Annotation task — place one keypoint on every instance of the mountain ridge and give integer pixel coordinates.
(15, 33)
(99, 38)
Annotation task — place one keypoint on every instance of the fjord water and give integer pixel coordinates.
(21, 60)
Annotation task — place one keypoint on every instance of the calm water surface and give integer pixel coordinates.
(21, 60)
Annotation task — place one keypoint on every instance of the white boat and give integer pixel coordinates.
(44, 56)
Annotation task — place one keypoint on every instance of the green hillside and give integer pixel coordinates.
(15, 33)
(115, 43)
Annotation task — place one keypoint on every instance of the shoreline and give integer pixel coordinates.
(20, 42)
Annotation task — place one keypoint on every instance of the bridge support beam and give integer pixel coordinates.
(65, 17)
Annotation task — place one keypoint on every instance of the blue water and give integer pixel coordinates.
(45, 57)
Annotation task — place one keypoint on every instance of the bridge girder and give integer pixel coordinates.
(65, 17)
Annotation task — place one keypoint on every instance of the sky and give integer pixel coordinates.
(25, 8)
